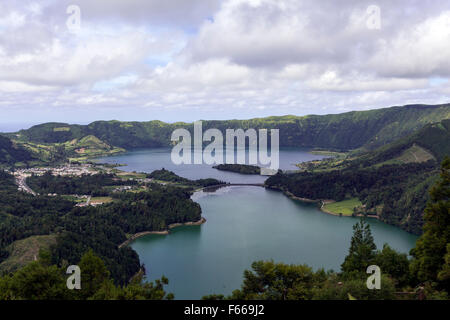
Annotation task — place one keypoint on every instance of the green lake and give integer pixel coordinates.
(244, 224)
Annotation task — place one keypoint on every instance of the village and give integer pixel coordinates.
(73, 170)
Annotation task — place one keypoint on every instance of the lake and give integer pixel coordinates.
(244, 224)
(149, 160)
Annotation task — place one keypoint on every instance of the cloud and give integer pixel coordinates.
(165, 13)
(422, 50)
(331, 81)
(216, 59)
(80, 62)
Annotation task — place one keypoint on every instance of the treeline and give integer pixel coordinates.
(83, 185)
(400, 190)
(102, 228)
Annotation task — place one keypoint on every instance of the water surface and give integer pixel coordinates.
(244, 224)
(148, 160)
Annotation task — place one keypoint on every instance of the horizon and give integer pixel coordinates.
(17, 126)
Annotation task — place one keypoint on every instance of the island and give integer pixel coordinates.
(239, 168)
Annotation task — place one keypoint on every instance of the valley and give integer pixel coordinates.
(117, 179)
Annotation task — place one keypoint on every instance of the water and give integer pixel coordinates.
(149, 160)
(14, 126)
(244, 224)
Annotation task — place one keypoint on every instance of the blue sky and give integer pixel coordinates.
(177, 60)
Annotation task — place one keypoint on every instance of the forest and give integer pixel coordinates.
(84, 185)
(403, 187)
(424, 276)
(101, 228)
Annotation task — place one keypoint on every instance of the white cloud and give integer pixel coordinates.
(422, 50)
(216, 58)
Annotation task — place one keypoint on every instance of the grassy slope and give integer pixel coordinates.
(25, 251)
(432, 141)
(345, 207)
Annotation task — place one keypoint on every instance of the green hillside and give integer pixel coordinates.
(429, 143)
(392, 182)
(89, 146)
(346, 131)
(22, 252)
(10, 153)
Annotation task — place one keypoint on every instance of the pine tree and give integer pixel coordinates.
(431, 248)
(93, 274)
(362, 249)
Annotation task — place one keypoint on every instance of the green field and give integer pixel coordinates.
(345, 207)
(131, 175)
(95, 200)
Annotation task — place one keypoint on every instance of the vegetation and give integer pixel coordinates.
(40, 280)
(432, 249)
(11, 153)
(396, 193)
(90, 236)
(389, 175)
(22, 252)
(426, 276)
(277, 281)
(362, 251)
(101, 228)
(169, 176)
(239, 168)
(342, 132)
(94, 185)
(391, 182)
(345, 207)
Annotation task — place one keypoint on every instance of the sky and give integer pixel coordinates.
(79, 61)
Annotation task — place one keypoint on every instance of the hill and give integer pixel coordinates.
(89, 146)
(10, 153)
(431, 142)
(392, 182)
(346, 131)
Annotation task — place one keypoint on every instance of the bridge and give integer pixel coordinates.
(234, 185)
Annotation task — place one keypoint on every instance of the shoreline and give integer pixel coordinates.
(163, 232)
(322, 204)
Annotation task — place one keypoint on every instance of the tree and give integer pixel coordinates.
(35, 281)
(357, 288)
(393, 263)
(444, 274)
(362, 249)
(277, 281)
(40, 281)
(431, 247)
(93, 274)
